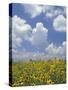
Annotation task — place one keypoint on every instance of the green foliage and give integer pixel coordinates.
(39, 72)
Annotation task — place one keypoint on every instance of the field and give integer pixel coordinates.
(39, 72)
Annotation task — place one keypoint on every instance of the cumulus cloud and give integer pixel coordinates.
(59, 23)
(53, 11)
(48, 11)
(25, 55)
(16, 42)
(33, 10)
(20, 27)
(20, 30)
(23, 31)
(39, 36)
(51, 51)
(56, 51)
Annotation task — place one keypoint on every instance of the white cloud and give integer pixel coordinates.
(25, 55)
(51, 51)
(36, 36)
(53, 11)
(20, 27)
(59, 23)
(48, 10)
(16, 42)
(20, 31)
(23, 31)
(39, 36)
(56, 51)
(33, 10)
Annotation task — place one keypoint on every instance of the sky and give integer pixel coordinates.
(38, 31)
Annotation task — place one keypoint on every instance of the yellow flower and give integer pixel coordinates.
(50, 82)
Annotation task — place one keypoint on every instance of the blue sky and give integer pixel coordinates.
(37, 31)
